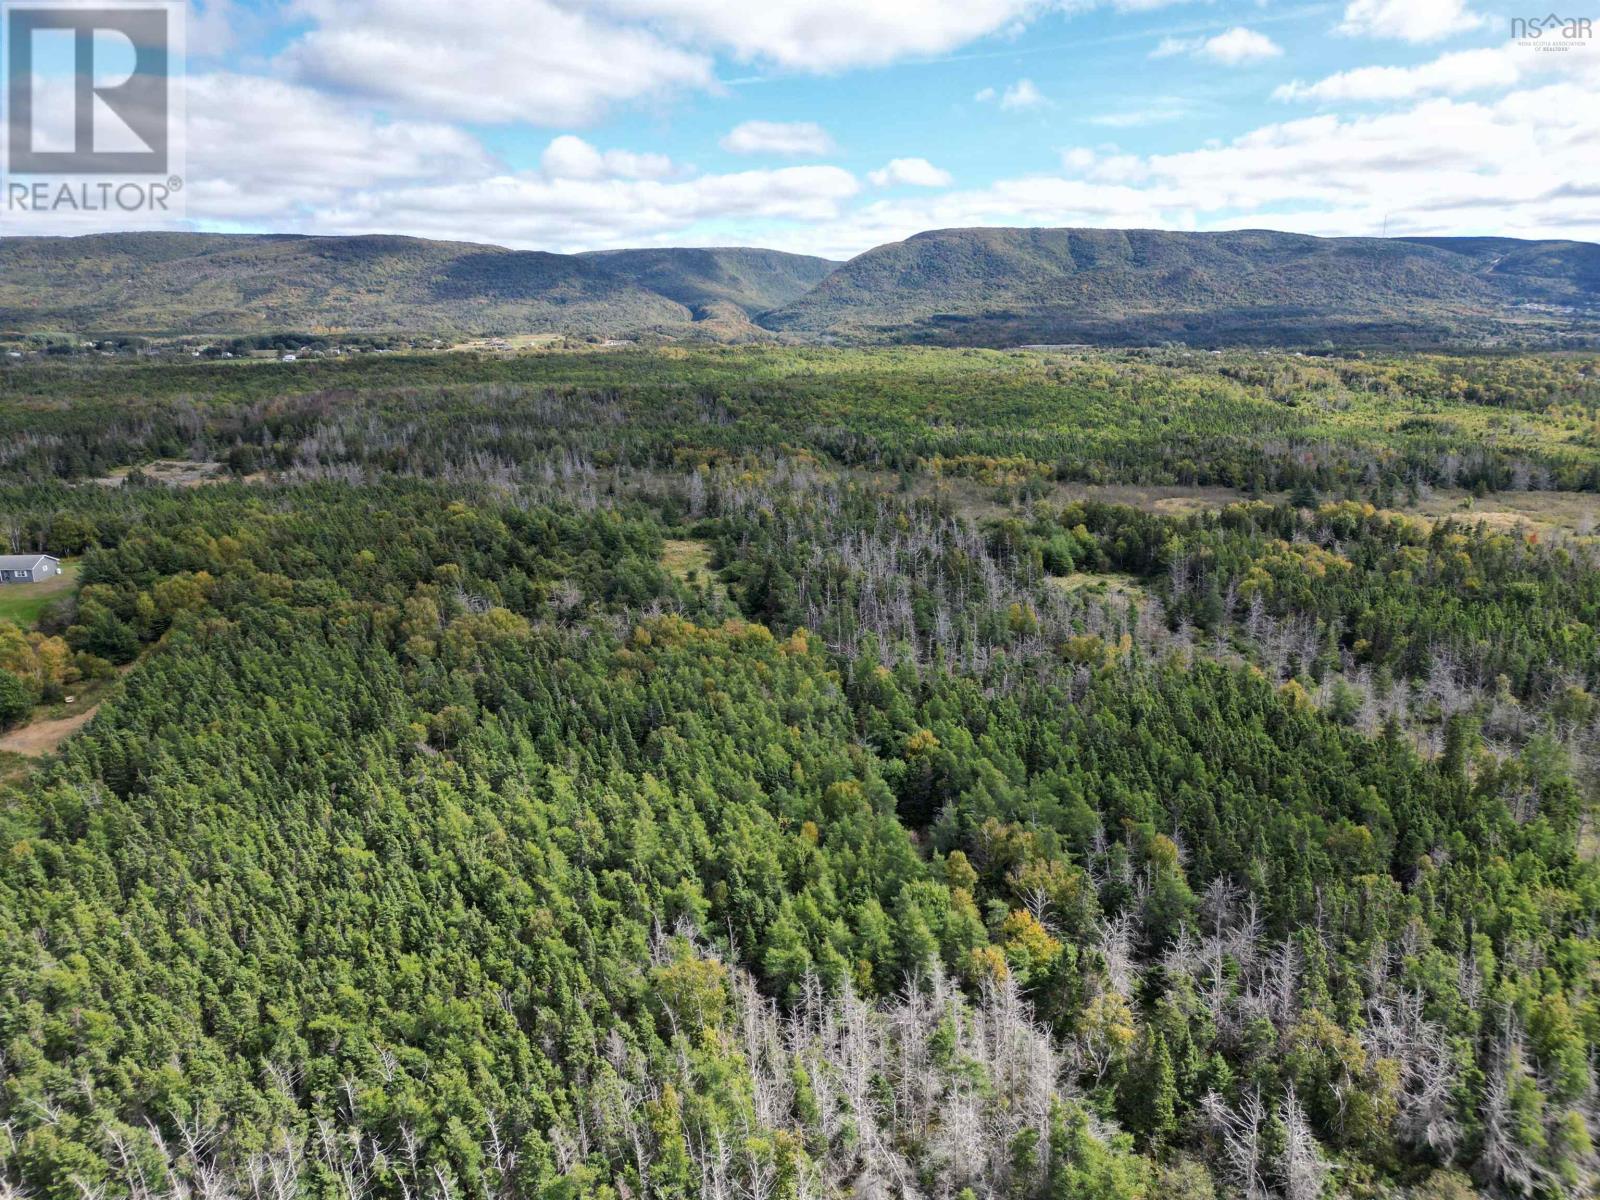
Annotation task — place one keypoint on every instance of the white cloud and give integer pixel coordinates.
(1520, 166)
(828, 35)
(569, 157)
(1160, 109)
(264, 149)
(1233, 48)
(912, 172)
(263, 153)
(1240, 45)
(582, 214)
(488, 60)
(1452, 74)
(565, 62)
(793, 138)
(1438, 166)
(1020, 96)
(1408, 20)
(1135, 6)
(266, 154)
(1456, 74)
(208, 27)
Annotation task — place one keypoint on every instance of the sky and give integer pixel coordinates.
(831, 126)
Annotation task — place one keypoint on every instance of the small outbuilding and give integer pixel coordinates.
(28, 568)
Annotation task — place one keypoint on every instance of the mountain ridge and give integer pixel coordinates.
(980, 286)
(183, 283)
(995, 286)
(753, 279)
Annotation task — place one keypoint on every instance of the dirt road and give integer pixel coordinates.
(42, 737)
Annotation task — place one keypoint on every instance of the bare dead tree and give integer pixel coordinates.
(1304, 1168)
(1240, 1136)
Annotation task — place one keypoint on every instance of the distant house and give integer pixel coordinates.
(28, 568)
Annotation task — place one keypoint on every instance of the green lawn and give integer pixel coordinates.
(23, 602)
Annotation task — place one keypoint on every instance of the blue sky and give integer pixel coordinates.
(829, 126)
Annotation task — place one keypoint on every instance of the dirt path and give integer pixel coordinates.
(42, 737)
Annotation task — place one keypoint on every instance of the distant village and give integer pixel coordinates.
(18, 348)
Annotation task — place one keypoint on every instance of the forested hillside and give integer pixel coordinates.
(961, 287)
(1005, 287)
(751, 280)
(172, 283)
(794, 774)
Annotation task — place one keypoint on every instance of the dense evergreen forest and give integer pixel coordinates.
(794, 774)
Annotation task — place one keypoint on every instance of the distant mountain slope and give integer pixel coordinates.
(993, 287)
(1578, 263)
(174, 282)
(1011, 286)
(754, 280)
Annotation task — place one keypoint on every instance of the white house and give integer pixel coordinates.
(28, 568)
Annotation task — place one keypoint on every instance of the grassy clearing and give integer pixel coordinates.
(22, 603)
(1541, 512)
(174, 473)
(689, 561)
(1109, 586)
(1546, 513)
